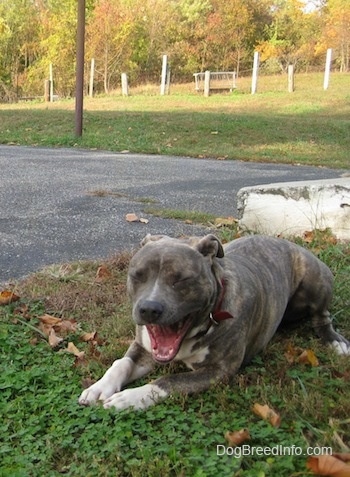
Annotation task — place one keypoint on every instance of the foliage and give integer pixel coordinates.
(131, 36)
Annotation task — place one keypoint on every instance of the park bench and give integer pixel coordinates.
(219, 80)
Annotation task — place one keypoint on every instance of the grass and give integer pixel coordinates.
(45, 432)
(309, 126)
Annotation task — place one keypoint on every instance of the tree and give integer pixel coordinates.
(336, 32)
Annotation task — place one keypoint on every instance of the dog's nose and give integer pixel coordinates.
(150, 311)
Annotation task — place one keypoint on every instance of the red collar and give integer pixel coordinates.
(218, 314)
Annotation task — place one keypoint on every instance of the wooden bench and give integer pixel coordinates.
(218, 80)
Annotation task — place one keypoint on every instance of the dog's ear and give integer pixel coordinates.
(210, 246)
(152, 238)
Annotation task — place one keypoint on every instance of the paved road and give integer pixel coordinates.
(51, 209)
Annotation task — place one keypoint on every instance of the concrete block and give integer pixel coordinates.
(291, 208)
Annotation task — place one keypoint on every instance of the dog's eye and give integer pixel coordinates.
(178, 282)
(138, 275)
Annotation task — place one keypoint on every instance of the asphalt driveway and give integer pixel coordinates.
(59, 205)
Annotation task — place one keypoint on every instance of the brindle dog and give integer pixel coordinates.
(213, 308)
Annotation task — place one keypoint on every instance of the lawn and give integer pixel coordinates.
(45, 432)
(309, 126)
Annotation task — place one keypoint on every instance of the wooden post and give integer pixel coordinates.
(207, 84)
(51, 83)
(47, 88)
(167, 88)
(125, 87)
(92, 74)
(255, 72)
(164, 74)
(79, 81)
(327, 69)
(290, 78)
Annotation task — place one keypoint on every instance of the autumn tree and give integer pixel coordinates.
(336, 32)
(19, 25)
(289, 34)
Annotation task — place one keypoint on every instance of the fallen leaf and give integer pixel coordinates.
(131, 218)
(102, 274)
(66, 326)
(308, 357)
(71, 348)
(88, 336)
(7, 297)
(144, 221)
(236, 438)
(54, 340)
(49, 320)
(225, 221)
(268, 414)
(23, 310)
(330, 465)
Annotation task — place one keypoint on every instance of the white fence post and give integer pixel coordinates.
(327, 69)
(51, 83)
(125, 87)
(255, 72)
(164, 75)
(290, 78)
(207, 84)
(92, 73)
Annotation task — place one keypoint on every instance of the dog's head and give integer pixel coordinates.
(173, 288)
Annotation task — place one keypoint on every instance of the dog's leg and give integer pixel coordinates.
(322, 325)
(183, 383)
(136, 363)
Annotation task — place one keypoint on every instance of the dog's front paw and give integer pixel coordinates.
(138, 398)
(341, 346)
(99, 391)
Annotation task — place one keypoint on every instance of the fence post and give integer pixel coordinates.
(327, 69)
(164, 74)
(206, 83)
(47, 88)
(92, 73)
(255, 72)
(290, 78)
(125, 87)
(51, 82)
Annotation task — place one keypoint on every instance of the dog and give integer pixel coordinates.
(212, 307)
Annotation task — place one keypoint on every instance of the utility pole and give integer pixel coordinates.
(79, 81)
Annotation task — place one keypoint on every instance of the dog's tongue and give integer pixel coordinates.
(165, 341)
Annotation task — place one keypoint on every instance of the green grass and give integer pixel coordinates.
(45, 432)
(309, 126)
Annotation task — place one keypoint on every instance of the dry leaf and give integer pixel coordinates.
(71, 348)
(268, 414)
(308, 357)
(131, 218)
(23, 310)
(66, 326)
(7, 297)
(54, 340)
(144, 221)
(88, 336)
(236, 438)
(49, 320)
(330, 465)
(225, 221)
(103, 273)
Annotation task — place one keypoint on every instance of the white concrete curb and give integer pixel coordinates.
(292, 208)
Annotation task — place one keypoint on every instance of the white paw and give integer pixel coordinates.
(340, 347)
(97, 392)
(138, 398)
(113, 380)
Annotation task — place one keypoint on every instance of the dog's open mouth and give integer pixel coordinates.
(166, 340)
